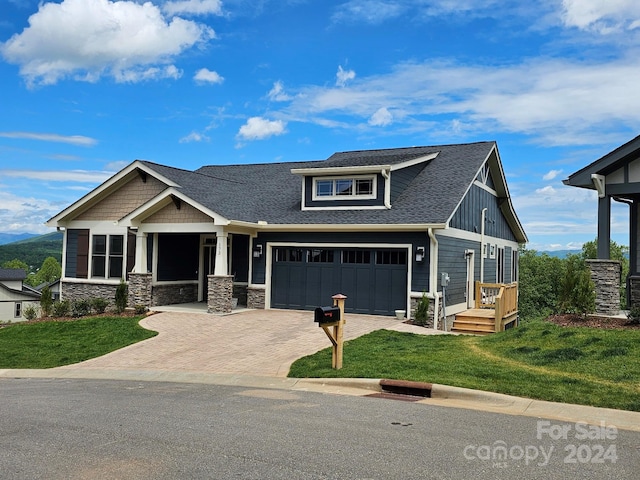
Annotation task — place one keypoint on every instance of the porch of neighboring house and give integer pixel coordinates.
(496, 309)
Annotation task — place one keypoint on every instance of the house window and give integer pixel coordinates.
(361, 187)
(107, 251)
(18, 310)
(514, 265)
(500, 266)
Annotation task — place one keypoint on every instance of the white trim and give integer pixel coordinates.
(485, 187)
(271, 245)
(180, 228)
(347, 207)
(174, 282)
(339, 171)
(92, 281)
(475, 237)
(350, 227)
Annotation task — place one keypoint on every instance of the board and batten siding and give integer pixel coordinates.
(468, 216)
(452, 260)
(420, 271)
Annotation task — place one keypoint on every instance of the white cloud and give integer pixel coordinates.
(343, 76)
(52, 137)
(557, 102)
(602, 16)
(122, 39)
(205, 75)
(277, 93)
(193, 7)
(25, 214)
(87, 176)
(368, 11)
(115, 166)
(194, 137)
(381, 118)
(258, 128)
(551, 174)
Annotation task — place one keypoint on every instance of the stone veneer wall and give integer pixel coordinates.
(256, 298)
(220, 294)
(86, 291)
(139, 289)
(430, 314)
(174, 293)
(606, 277)
(633, 291)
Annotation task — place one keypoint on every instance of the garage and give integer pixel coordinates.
(374, 280)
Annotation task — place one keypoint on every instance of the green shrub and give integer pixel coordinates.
(121, 296)
(30, 312)
(61, 308)
(141, 309)
(577, 291)
(422, 310)
(46, 302)
(99, 305)
(80, 308)
(634, 315)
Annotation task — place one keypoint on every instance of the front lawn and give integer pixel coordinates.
(56, 343)
(536, 360)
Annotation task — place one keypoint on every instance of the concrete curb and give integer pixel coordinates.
(441, 395)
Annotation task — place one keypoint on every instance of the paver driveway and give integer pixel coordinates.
(254, 342)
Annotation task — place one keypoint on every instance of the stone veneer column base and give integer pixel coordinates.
(256, 298)
(139, 289)
(220, 294)
(606, 277)
(633, 291)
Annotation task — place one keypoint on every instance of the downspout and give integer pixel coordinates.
(433, 275)
(484, 211)
(387, 188)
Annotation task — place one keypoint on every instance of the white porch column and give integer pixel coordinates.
(141, 253)
(221, 254)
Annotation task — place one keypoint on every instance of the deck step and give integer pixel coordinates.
(469, 323)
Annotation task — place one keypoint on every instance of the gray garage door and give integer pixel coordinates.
(374, 280)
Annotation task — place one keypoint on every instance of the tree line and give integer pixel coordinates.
(550, 285)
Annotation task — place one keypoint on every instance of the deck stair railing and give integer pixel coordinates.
(501, 297)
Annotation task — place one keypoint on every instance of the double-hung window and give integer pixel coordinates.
(359, 187)
(107, 257)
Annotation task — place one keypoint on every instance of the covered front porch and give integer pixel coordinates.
(495, 310)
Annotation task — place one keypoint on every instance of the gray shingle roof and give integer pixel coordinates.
(12, 274)
(271, 193)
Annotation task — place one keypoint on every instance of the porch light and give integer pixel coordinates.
(419, 254)
(257, 251)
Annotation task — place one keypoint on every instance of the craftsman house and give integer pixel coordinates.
(616, 176)
(14, 295)
(380, 226)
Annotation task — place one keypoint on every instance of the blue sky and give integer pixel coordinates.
(87, 86)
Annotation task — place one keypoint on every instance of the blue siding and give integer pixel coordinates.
(71, 263)
(452, 260)
(400, 179)
(420, 271)
(469, 215)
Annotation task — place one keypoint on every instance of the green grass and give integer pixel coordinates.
(536, 360)
(57, 343)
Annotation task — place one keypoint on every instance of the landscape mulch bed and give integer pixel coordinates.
(571, 320)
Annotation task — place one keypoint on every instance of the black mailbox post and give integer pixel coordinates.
(326, 315)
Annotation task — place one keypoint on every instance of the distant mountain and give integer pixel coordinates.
(15, 237)
(33, 250)
(561, 253)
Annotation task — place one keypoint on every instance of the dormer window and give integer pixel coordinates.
(335, 188)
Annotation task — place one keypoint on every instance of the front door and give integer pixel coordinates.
(470, 254)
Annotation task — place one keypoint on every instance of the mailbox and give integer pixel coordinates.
(326, 315)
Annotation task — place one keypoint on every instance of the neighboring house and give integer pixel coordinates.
(380, 226)
(14, 295)
(54, 287)
(616, 176)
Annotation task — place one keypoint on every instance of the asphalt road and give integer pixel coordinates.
(91, 429)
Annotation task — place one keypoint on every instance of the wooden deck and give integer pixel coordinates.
(496, 309)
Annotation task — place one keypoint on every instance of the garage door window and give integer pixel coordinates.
(391, 257)
(289, 255)
(356, 256)
(320, 256)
